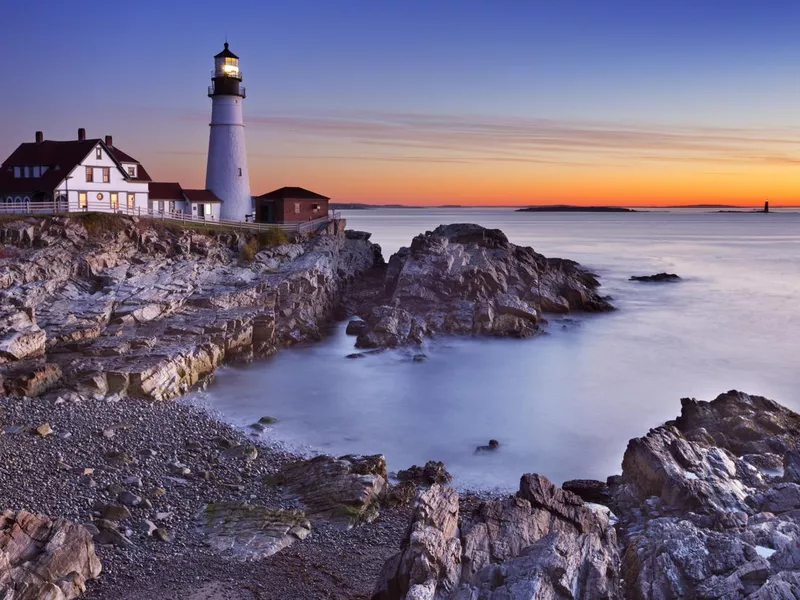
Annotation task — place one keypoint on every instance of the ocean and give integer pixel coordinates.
(563, 404)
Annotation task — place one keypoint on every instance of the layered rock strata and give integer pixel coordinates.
(148, 311)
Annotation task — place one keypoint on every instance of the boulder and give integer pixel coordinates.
(466, 279)
(42, 557)
(589, 490)
(432, 472)
(345, 491)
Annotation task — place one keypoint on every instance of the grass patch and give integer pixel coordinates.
(273, 236)
(248, 251)
(98, 223)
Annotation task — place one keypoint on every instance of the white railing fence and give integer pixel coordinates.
(175, 217)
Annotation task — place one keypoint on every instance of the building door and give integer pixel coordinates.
(201, 211)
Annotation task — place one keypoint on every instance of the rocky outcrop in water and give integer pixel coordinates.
(44, 558)
(541, 543)
(657, 278)
(141, 309)
(468, 279)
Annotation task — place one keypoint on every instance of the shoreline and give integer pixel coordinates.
(181, 503)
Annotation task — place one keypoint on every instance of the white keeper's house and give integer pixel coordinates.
(91, 175)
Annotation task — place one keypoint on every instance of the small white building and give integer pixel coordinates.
(170, 199)
(80, 175)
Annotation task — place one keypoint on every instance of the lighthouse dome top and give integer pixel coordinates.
(226, 53)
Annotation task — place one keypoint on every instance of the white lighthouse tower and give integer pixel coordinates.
(226, 171)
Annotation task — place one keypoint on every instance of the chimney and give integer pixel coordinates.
(81, 134)
(109, 141)
(39, 137)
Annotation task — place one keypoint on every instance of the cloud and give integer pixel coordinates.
(421, 137)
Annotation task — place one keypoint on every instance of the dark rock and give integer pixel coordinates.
(356, 327)
(432, 472)
(491, 446)
(589, 490)
(657, 277)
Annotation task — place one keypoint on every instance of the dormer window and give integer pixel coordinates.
(98, 153)
(132, 171)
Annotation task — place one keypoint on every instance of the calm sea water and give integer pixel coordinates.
(564, 404)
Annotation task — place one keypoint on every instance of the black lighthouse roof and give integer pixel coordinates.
(226, 53)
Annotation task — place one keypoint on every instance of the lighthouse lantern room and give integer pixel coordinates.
(226, 170)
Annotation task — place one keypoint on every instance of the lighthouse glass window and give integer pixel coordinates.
(228, 67)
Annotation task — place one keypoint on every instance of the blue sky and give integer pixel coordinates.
(315, 71)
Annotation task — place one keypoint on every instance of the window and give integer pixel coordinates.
(37, 171)
(99, 196)
(240, 171)
(82, 203)
(315, 207)
(131, 200)
(132, 171)
(98, 153)
(114, 201)
(160, 206)
(106, 175)
(89, 174)
(172, 206)
(297, 208)
(17, 172)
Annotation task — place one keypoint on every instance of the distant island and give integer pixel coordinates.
(571, 208)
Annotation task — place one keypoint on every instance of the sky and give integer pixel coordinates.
(431, 101)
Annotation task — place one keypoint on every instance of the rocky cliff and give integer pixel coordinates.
(141, 309)
(465, 278)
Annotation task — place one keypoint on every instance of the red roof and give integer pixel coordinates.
(122, 157)
(165, 191)
(200, 196)
(293, 193)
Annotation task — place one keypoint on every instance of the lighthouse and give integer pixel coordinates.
(226, 170)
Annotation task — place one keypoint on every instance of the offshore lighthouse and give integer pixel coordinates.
(226, 170)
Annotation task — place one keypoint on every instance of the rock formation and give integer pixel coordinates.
(468, 279)
(708, 507)
(541, 543)
(345, 490)
(150, 311)
(709, 504)
(42, 557)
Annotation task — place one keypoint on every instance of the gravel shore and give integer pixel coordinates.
(172, 456)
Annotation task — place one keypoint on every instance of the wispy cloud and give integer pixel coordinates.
(419, 137)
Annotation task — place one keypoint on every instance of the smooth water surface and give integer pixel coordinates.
(564, 404)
